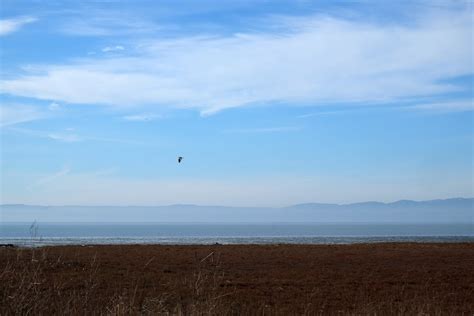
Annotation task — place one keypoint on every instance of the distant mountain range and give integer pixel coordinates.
(456, 210)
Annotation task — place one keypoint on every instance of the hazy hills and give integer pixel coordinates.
(458, 210)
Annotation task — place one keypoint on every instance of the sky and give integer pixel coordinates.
(271, 103)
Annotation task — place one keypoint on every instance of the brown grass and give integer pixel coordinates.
(365, 279)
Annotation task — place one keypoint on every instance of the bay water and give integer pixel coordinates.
(41, 234)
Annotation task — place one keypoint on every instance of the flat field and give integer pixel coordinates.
(386, 278)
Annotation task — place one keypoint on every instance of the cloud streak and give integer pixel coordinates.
(141, 117)
(68, 136)
(102, 23)
(265, 129)
(65, 137)
(313, 61)
(454, 106)
(12, 114)
(48, 179)
(53, 177)
(8, 26)
(113, 48)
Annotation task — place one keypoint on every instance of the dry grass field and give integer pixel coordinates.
(362, 279)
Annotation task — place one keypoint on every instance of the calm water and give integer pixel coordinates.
(158, 233)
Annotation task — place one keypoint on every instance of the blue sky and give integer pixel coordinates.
(271, 103)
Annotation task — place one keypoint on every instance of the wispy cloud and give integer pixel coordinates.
(47, 180)
(456, 106)
(323, 113)
(141, 117)
(106, 23)
(70, 136)
(54, 176)
(319, 60)
(116, 140)
(11, 114)
(54, 106)
(8, 26)
(113, 48)
(438, 107)
(65, 137)
(265, 129)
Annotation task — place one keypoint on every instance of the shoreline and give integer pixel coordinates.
(228, 241)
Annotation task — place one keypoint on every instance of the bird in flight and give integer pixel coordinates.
(179, 159)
